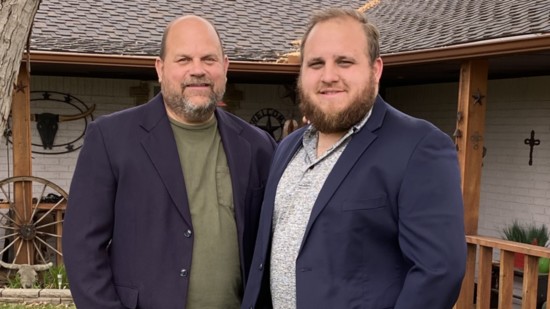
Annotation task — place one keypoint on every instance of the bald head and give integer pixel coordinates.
(193, 23)
(191, 69)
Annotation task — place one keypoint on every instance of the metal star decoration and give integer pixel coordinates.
(19, 87)
(478, 97)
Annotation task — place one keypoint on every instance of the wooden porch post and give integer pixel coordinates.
(470, 129)
(472, 102)
(22, 158)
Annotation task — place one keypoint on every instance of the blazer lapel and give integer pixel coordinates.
(237, 150)
(354, 150)
(161, 148)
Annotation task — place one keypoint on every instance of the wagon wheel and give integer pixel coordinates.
(32, 224)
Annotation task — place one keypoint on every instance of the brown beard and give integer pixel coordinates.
(343, 120)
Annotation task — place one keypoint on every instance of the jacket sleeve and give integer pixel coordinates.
(431, 225)
(88, 226)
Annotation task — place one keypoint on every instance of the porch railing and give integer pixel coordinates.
(479, 277)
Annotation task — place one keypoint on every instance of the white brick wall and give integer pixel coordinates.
(109, 95)
(510, 189)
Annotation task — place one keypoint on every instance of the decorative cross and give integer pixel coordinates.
(532, 142)
(476, 138)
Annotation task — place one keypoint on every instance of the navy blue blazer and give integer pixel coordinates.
(386, 230)
(128, 235)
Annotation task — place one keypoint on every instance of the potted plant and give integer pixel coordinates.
(534, 235)
(527, 234)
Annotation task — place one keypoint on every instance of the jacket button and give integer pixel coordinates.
(261, 267)
(187, 233)
(183, 273)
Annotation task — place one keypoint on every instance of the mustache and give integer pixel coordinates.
(196, 81)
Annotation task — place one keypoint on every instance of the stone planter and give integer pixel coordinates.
(44, 296)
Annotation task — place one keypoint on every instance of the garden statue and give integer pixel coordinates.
(27, 273)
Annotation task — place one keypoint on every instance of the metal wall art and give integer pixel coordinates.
(48, 141)
(269, 120)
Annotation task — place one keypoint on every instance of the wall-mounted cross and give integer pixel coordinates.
(532, 142)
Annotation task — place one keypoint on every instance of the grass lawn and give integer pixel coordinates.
(34, 306)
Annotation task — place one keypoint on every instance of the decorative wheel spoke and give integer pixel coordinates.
(46, 225)
(48, 234)
(31, 217)
(9, 235)
(39, 251)
(54, 207)
(48, 245)
(10, 244)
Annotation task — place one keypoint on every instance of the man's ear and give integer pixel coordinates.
(377, 68)
(159, 66)
(225, 64)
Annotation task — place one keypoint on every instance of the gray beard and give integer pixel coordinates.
(187, 110)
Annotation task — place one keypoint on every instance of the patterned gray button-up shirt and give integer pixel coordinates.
(296, 194)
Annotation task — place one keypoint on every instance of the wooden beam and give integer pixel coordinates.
(530, 282)
(22, 164)
(487, 48)
(149, 62)
(466, 297)
(506, 280)
(485, 266)
(472, 102)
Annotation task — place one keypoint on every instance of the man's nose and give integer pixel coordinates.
(197, 68)
(330, 73)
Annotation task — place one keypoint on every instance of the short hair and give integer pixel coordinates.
(162, 52)
(371, 32)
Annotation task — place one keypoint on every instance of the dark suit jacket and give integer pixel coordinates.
(127, 236)
(386, 230)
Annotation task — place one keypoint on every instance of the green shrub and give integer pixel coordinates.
(35, 306)
(46, 279)
(50, 279)
(527, 234)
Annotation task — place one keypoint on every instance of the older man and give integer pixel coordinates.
(165, 198)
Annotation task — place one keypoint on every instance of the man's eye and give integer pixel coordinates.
(315, 65)
(345, 63)
(210, 60)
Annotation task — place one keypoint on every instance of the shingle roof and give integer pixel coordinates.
(408, 25)
(263, 30)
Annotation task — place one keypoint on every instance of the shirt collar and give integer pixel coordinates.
(311, 131)
(310, 137)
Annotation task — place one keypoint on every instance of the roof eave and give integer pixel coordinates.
(147, 62)
(487, 48)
